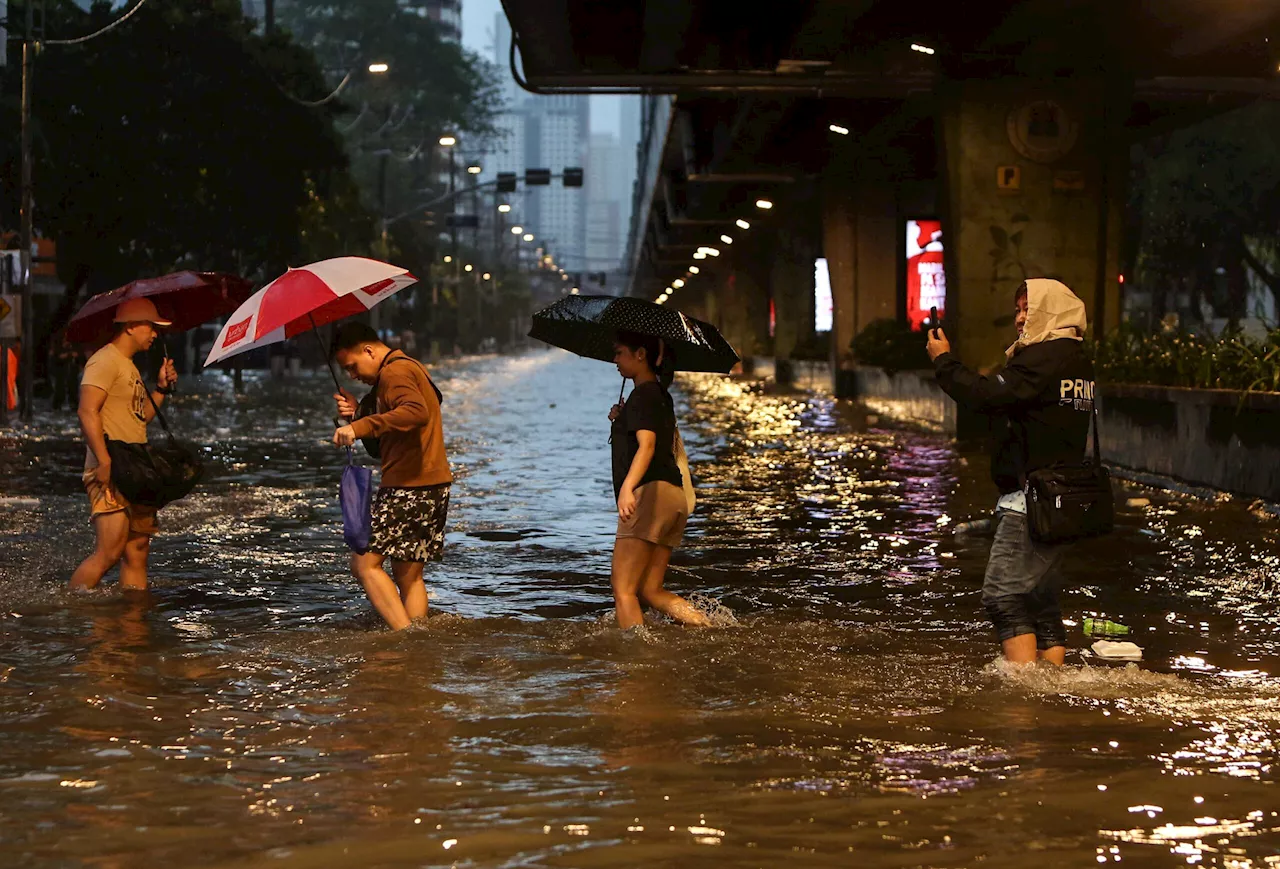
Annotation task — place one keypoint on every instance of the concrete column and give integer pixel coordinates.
(736, 301)
(791, 288)
(860, 228)
(1034, 177)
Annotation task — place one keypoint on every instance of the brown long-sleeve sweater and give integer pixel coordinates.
(408, 425)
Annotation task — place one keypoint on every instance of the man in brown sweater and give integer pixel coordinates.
(410, 506)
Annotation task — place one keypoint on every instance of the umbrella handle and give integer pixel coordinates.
(338, 421)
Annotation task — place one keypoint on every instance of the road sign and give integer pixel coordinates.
(10, 317)
(1008, 177)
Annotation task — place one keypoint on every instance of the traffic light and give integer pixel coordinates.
(537, 177)
(572, 177)
(506, 182)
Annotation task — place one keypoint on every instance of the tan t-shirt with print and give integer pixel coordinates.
(123, 414)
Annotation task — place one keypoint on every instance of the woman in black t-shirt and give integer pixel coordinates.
(648, 485)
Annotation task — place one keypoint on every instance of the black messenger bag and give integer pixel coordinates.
(154, 474)
(1069, 501)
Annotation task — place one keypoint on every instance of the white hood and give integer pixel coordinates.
(1053, 312)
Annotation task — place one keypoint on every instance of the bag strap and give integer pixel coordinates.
(160, 416)
(386, 360)
(1097, 450)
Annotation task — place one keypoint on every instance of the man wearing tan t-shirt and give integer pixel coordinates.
(113, 404)
(411, 504)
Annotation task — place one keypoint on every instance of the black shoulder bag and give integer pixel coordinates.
(368, 405)
(1071, 501)
(154, 475)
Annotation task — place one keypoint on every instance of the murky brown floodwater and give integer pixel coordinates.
(250, 712)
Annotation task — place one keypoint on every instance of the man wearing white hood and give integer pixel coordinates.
(1043, 400)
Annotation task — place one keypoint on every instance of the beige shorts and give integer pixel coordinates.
(107, 499)
(659, 517)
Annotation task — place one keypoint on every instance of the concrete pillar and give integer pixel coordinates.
(736, 301)
(860, 228)
(1033, 183)
(791, 288)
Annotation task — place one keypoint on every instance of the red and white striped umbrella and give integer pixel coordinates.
(305, 298)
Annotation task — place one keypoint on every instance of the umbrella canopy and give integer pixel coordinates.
(588, 326)
(305, 298)
(186, 298)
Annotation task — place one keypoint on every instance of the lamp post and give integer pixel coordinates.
(29, 47)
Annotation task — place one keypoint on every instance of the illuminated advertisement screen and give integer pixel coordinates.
(821, 296)
(926, 281)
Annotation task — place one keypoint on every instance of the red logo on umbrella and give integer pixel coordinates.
(237, 332)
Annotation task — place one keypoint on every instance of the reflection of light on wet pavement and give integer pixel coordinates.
(846, 704)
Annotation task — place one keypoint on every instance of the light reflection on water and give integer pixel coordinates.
(248, 710)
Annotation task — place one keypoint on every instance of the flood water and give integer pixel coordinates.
(846, 711)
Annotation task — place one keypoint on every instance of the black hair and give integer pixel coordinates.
(652, 346)
(1021, 291)
(351, 335)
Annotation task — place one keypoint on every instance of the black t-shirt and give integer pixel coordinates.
(649, 408)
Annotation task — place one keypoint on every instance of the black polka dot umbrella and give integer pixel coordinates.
(588, 326)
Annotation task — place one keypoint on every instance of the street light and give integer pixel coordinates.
(504, 208)
(726, 239)
(448, 141)
(474, 170)
(836, 128)
(378, 67)
(699, 255)
(448, 258)
(486, 276)
(528, 236)
(517, 230)
(742, 224)
(764, 204)
(677, 283)
(693, 270)
(467, 267)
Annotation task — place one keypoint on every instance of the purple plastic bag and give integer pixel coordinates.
(356, 494)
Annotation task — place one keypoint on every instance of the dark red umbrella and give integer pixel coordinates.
(187, 298)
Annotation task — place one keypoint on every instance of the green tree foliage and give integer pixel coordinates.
(392, 121)
(1205, 204)
(171, 142)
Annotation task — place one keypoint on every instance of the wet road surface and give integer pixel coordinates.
(249, 710)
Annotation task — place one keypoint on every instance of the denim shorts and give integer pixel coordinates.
(1020, 590)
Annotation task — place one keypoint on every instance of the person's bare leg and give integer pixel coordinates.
(1054, 655)
(111, 530)
(413, 593)
(630, 557)
(133, 569)
(1020, 649)
(382, 592)
(652, 592)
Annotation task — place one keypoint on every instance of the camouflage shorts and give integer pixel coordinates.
(408, 523)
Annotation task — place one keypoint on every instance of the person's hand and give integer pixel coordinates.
(347, 404)
(344, 436)
(626, 503)
(938, 344)
(168, 375)
(102, 473)
(615, 412)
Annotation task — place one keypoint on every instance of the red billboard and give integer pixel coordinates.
(926, 281)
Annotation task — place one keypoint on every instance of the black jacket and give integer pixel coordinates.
(1043, 398)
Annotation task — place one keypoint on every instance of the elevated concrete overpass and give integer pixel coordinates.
(1010, 121)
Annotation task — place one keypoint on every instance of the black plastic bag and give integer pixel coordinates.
(155, 474)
